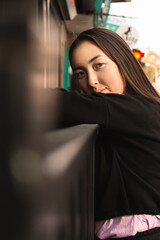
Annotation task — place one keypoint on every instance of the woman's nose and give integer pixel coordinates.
(92, 79)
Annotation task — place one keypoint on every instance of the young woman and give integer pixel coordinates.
(113, 91)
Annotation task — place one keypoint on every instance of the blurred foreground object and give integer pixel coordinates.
(57, 185)
(26, 109)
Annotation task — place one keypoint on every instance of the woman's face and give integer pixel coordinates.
(94, 71)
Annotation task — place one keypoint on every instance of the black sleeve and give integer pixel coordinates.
(76, 108)
(116, 112)
(132, 114)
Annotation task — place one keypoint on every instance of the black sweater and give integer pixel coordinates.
(128, 150)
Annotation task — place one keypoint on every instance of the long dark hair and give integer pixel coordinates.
(119, 52)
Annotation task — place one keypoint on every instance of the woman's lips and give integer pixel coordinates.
(102, 90)
(105, 90)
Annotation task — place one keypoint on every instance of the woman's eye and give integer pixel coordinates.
(98, 65)
(80, 75)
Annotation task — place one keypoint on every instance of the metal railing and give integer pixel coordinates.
(65, 206)
(53, 186)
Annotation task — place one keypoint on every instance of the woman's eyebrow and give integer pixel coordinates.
(91, 60)
(100, 55)
(78, 68)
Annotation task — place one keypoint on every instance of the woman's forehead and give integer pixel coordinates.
(86, 51)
